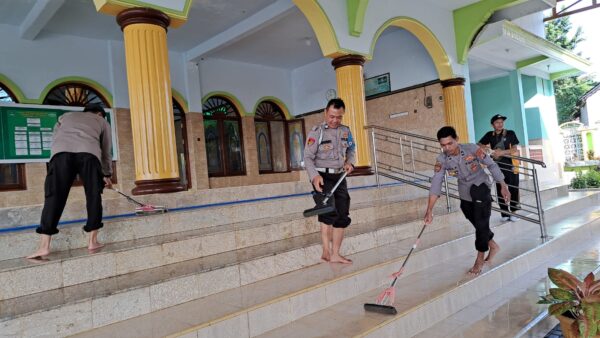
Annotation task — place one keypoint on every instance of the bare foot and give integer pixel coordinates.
(340, 259)
(325, 256)
(494, 248)
(41, 253)
(95, 246)
(477, 267)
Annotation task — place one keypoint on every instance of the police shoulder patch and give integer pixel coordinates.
(480, 153)
(310, 141)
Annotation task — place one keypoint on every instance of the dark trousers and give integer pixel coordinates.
(340, 199)
(478, 212)
(512, 180)
(62, 170)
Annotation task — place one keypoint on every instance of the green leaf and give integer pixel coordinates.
(561, 294)
(559, 308)
(563, 279)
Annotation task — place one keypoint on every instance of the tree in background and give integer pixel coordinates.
(567, 90)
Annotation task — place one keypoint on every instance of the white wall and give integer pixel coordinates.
(401, 54)
(533, 23)
(32, 65)
(593, 109)
(247, 82)
(310, 84)
(437, 19)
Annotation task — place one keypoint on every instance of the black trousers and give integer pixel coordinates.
(62, 170)
(478, 212)
(340, 199)
(512, 180)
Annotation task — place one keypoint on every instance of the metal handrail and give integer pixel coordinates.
(400, 139)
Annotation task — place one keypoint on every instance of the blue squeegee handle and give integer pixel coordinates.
(339, 181)
(410, 253)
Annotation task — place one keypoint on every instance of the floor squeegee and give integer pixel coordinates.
(321, 200)
(143, 209)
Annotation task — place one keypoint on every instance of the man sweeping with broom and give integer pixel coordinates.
(329, 155)
(464, 162)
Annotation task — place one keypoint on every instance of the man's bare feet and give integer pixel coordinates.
(478, 266)
(39, 254)
(340, 259)
(325, 256)
(494, 248)
(95, 246)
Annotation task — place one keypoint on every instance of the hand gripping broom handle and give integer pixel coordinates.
(397, 274)
(329, 194)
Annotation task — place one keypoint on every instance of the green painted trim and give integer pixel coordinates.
(230, 97)
(281, 104)
(180, 99)
(469, 19)
(77, 79)
(531, 61)
(13, 88)
(441, 62)
(564, 73)
(183, 14)
(356, 10)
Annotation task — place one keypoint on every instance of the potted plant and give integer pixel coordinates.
(575, 303)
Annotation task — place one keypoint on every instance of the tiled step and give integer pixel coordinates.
(138, 293)
(73, 267)
(285, 211)
(431, 295)
(265, 305)
(114, 204)
(513, 311)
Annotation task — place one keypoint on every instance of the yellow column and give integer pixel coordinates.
(454, 106)
(149, 84)
(351, 89)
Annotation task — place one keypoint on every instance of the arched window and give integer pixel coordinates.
(180, 143)
(78, 95)
(279, 142)
(74, 94)
(12, 175)
(223, 136)
(269, 123)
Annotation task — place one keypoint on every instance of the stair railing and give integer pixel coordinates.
(409, 158)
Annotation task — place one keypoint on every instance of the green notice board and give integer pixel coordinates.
(26, 132)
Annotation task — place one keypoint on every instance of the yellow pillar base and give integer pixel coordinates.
(149, 84)
(351, 89)
(455, 109)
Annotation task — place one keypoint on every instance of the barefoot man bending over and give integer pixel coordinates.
(81, 146)
(463, 161)
(329, 151)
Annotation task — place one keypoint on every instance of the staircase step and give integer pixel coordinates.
(371, 203)
(513, 311)
(429, 296)
(265, 304)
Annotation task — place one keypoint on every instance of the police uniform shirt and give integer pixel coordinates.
(466, 166)
(328, 148)
(503, 141)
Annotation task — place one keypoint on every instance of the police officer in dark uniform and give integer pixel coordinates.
(329, 151)
(503, 142)
(464, 161)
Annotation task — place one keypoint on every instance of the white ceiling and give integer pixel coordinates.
(291, 45)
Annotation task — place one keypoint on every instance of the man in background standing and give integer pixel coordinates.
(503, 143)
